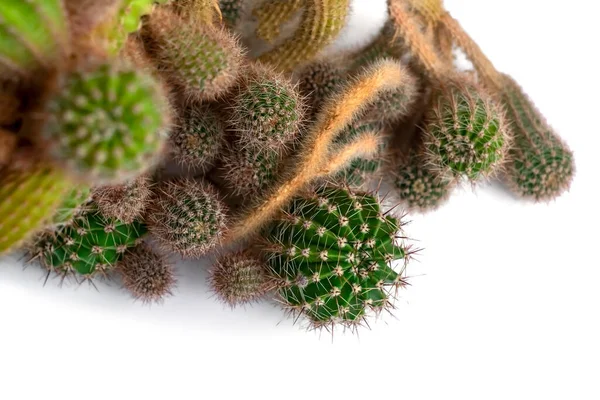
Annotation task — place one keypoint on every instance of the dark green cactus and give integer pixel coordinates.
(231, 10)
(108, 124)
(332, 254)
(540, 165)
(187, 217)
(91, 244)
(73, 204)
(465, 133)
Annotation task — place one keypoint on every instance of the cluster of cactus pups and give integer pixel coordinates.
(135, 130)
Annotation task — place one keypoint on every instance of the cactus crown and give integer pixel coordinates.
(108, 123)
(126, 201)
(332, 254)
(250, 173)
(318, 81)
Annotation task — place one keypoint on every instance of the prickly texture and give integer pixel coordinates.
(385, 45)
(317, 82)
(431, 10)
(126, 202)
(8, 144)
(146, 274)
(272, 14)
(239, 278)
(198, 138)
(73, 204)
(540, 165)
(332, 255)
(202, 60)
(231, 11)
(92, 244)
(28, 200)
(321, 22)
(108, 124)
(267, 110)
(418, 187)
(465, 133)
(249, 173)
(187, 217)
(33, 33)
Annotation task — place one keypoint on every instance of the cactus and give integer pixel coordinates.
(540, 165)
(92, 244)
(72, 205)
(147, 275)
(267, 110)
(319, 81)
(202, 60)
(199, 137)
(321, 22)
(33, 33)
(126, 201)
(231, 10)
(28, 200)
(420, 188)
(431, 10)
(465, 133)
(272, 14)
(239, 278)
(248, 173)
(385, 45)
(187, 217)
(332, 255)
(107, 124)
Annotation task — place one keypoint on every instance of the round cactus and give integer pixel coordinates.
(32, 34)
(392, 106)
(72, 205)
(540, 165)
(231, 10)
(108, 124)
(198, 138)
(248, 173)
(126, 201)
(420, 188)
(332, 255)
(318, 81)
(28, 200)
(267, 110)
(187, 217)
(92, 244)
(147, 275)
(465, 133)
(202, 60)
(239, 278)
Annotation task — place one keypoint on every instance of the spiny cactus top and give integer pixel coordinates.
(109, 123)
(318, 81)
(91, 244)
(126, 201)
(465, 134)
(248, 173)
(540, 165)
(332, 253)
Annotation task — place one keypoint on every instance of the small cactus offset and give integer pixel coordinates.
(126, 201)
(108, 124)
(465, 132)
(201, 60)
(199, 137)
(146, 274)
(91, 244)
(248, 173)
(239, 278)
(540, 165)
(332, 254)
(28, 201)
(267, 111)
(33, 34)
(187, 217)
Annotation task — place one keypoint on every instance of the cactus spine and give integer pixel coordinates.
(319, 81)
(126, 201)
(332, 254)
(272, 14)
(74, 203)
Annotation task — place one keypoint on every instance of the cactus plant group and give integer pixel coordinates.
(127, 119)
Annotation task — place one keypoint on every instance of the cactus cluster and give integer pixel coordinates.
(126, 118)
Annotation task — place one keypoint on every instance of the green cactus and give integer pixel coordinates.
(126, 201)
(465, 133)
(146, 274)
(332, 255)
(419, 187)
(540, 166)
(268, 110)
(202, 60)
(199, 137)
(317, 82)
(72, 205)
(249, 173)
(187, 217)
(239, 278)
(33, 33)
(108, 124)
(92, 244)
(28, 200)
(231, 10)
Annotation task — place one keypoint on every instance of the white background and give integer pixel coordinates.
(504, 302)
